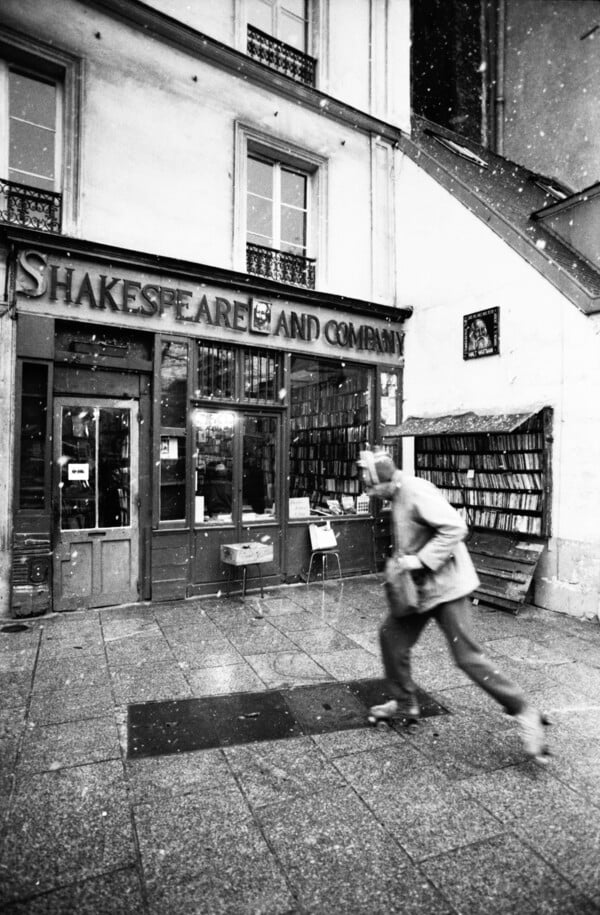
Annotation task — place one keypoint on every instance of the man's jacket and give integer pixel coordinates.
(424, 523)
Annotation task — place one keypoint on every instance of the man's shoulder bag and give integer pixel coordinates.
(401, 591)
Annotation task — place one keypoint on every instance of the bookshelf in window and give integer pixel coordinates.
(330, 422)
(497, 480)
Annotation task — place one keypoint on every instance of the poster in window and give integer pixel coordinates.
(481, 335)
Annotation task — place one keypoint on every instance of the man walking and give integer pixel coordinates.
(428, 535)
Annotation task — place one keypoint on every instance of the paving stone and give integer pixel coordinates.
(349, 663)
(199, 631)
(71, 704)
(66, 825)
(207, 653)
(502, 876)
(121, 628)
(20, 659)
(252, 639)
(286, 669)
(117, 893)
(59, 673)
(136, 649)
(219, 681)
(461, 746)
(15, 686)
(166, 776)
(323, 639)
(347, 743)
(12, 721)
(149, 681)
(338, 858)
(72, 743)
(275, 771)
(205, 853)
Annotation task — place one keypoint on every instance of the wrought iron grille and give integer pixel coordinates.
(281, 57)
(31, 207)
(281, 266)
(261, 375)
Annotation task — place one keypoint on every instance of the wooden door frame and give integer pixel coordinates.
(98, 402)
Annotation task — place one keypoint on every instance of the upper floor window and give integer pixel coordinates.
(277, 222)
(278, 36)
(277, 206)
(39, 135)
(280, 208)
(286, 20)
(33, 107)
(30, 155)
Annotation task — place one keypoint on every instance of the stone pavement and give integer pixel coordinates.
(449, 819)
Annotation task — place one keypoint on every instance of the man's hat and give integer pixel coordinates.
(378, 467)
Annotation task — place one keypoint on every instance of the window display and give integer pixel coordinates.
(330, 422)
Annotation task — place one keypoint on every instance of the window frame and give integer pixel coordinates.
(276, 18)
(277, 206)
(48, 63)
(250, 141)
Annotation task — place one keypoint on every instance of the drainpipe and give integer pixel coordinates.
(499, 100)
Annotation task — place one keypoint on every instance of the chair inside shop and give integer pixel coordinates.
(323, 543)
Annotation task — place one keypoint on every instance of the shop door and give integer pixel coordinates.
(96, 552)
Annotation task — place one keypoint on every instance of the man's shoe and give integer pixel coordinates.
(394, 709)
(531, 724)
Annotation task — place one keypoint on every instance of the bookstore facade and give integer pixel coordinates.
(162, 414)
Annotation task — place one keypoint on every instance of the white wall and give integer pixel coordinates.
(451, 264)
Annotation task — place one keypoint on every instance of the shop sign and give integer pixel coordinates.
(481, 335)
(75, 289)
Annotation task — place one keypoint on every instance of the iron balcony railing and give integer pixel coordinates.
(281, 266)
(31, 207)
(281, 57)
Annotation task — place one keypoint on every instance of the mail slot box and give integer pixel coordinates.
(243, 554)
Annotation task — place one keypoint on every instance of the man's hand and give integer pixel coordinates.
(408, 563)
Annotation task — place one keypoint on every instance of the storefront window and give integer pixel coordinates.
(258, 471)
(261, 376)
(173, 420)
(214, 436)
(173, 379)
(216, 371)
(389, 398)
(34, 413)
(172, 478)
(330, 422)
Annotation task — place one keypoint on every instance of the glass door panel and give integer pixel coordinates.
(78, 468)
(259, 450)
(214, 450)
(114, 471)
(95, 488)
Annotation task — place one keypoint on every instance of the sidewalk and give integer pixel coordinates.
(333, 816)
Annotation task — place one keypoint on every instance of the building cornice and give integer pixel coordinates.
(173, 267)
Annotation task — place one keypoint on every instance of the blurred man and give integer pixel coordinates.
(428, 535)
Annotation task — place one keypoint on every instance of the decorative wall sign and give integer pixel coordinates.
(481, 336)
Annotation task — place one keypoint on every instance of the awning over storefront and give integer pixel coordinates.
(460, 424)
